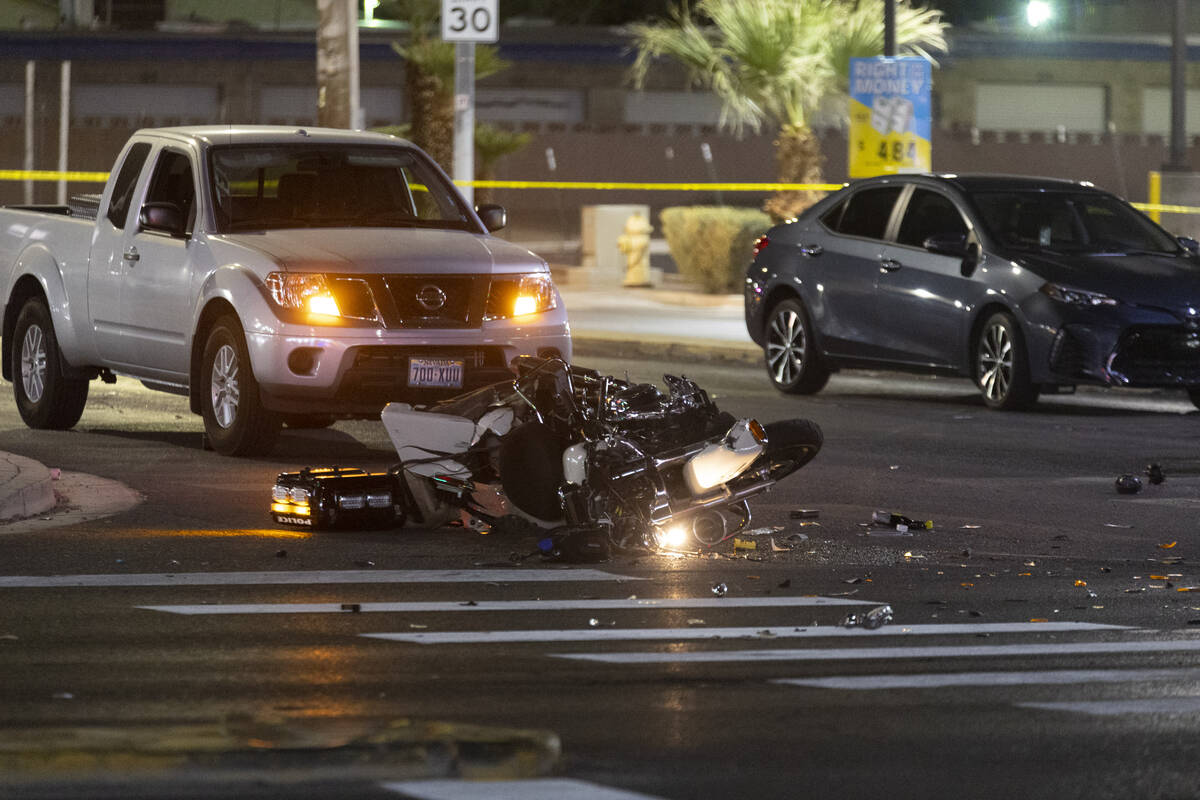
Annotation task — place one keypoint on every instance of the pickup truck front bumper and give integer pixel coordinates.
(354, 372)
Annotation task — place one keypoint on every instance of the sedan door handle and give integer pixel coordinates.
(889, 265)
(811, 250)
(131, 254)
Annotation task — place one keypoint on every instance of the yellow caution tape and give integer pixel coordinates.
(101, 177)
(51, 175)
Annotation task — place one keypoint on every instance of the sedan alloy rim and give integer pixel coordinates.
(995, 363)
(225, 392)
(33, 363)
(785, 347)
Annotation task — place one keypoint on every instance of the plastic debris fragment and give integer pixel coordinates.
(744, 544)
(1128, 484)
(1080, 583)
(775, 548)
(1168, 545)
(899, 522)
(720, 589)
(875, 618)
(63, 696)
(1154, 474)
(696, 621)
(805, 513)
(1116, 525)
(281, 553)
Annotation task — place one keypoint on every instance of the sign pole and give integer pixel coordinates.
(464, 118)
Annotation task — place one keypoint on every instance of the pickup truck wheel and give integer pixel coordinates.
(234, 418)
(46, 399)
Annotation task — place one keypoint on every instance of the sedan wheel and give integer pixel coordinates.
(1002, 366)
(791, 355)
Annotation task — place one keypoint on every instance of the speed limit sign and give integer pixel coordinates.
(470, 21)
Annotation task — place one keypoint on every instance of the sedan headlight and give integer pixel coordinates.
(1077, 297)
(521, 295)
(322, 296)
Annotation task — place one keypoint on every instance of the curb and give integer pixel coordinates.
(26, 488)
(244, 748)
(648, 347)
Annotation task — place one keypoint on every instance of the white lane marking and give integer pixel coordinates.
(702, 632)
(875, 653)
(510, 605)
(946, 679)
(1112, 708)
(536, 789)
(314, 577)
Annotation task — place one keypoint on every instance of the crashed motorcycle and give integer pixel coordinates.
(588, 462)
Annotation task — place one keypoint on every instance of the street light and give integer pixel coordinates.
(1038, 13)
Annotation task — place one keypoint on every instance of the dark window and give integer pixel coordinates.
(866, 213)
(1091, 222)
(122, 193)
(930, 214)
(172, 183)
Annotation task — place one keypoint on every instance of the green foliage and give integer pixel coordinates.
(492, 144)
(712, 245)
(777, 60)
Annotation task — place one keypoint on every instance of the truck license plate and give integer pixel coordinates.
(442, 373)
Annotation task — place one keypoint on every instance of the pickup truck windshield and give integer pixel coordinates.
(1071, 222)
(265, 187)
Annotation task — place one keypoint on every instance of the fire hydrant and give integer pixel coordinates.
(634, 243)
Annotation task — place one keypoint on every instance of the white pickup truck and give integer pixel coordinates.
(273, 276)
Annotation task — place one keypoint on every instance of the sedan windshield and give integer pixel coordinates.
(1076, 222)
(264, 187)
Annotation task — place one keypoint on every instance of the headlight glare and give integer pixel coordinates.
(323, 296)
(521, 295)
(1077, 297)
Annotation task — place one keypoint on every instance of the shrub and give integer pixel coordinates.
(712, 244)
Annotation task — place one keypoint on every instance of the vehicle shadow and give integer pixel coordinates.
(308, 447)
(1073, 405)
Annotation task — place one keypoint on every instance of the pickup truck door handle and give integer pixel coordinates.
(889, 265)
(131, 254)
(811, 250)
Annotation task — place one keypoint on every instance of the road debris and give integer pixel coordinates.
(595, 623)
(1168, 545)
(720, 589)
(1154, 473)
(1128, 484)
(804, 513)
(899, 522)
(1116, 525)
(353, 608)
(744, 544)
(695, 621)
(281, 553)
(875, 618)
(776, 548)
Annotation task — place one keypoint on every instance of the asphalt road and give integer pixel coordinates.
(1041, 645)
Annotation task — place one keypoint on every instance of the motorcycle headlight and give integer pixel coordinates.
(322, 297)
(521, 295)
(1077, 297)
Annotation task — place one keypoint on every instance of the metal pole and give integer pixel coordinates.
(64, 129)
(889, 27)
(464, 117)
(1178, 159)
(29, 109)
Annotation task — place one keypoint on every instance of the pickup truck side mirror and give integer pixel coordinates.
(1189, 244)
(494, 217)
(163, 217)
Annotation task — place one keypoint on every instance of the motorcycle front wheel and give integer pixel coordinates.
(791, 443)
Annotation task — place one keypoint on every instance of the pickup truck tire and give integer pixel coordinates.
(46, 399)
(234, 418)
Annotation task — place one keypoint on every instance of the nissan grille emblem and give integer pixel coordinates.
(431, 297)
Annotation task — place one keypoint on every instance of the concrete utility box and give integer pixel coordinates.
(602, 226)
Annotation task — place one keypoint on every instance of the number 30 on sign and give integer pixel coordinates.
(470, 21)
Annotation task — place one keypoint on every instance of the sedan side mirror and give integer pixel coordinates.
(162, 217)
(492, 216)
(947, 244)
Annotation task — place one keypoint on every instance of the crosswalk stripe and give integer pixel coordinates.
(534, 789)
(599, 634)
(1112, 708)
(877, 653)
(314, 577)
(703, 603)
(945, 679)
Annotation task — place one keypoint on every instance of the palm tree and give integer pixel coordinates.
(492, 144)
(429, 77)
(779, 61)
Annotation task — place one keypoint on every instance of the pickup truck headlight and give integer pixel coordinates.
(322, 296)
(520, 295)
(1077, 297)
